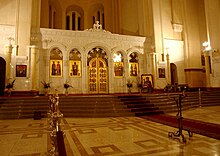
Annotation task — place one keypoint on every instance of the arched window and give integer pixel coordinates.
(52, 16)
(74, 63)
(118, 64)
(56, 63)
(73, 20)
(133, 64)
(98, 15)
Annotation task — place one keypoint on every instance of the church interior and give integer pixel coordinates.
(107, 77)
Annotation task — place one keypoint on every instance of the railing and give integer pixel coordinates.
(56, 135)
(200, 98)
(176, 88)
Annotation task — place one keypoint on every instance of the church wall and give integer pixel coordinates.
(167, 21)
(176, 56)
(193, 32)
(44, 14)
(8, 12)
(89, 9)
(168, 40)
(195, 78)
(145, 15)
(215, 76)
(129, 17)
(213, 28)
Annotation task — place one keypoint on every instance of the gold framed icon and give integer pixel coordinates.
(56, 68)
(118, 69)
(74, 68)
(147, 79)
(21, 70)
(133, 69)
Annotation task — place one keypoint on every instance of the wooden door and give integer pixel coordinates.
(98, 76)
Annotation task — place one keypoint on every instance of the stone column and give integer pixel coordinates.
(33, 50)
(153, 70)
(8, 51)
(207, 68)
(168, 68)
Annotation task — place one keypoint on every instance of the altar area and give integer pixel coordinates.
(93, 61)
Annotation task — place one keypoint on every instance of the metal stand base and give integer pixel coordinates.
(179, 133)
(179, 118)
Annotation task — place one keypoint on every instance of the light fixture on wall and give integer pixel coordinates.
(117, 57)
(206, 46)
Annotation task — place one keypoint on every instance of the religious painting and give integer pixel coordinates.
(133, 69)
(118, 69)
(74, 68)
(56, 68)
(147, 80)
(21, 70)
(161, 72)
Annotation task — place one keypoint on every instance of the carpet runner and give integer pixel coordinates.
(195, 126)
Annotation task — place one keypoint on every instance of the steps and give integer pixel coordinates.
(93, 106)
(167, 104)
(210, 98)
(105, 105)
(140, 105)
(73, 106)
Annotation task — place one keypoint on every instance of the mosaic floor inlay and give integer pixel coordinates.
(120, 136)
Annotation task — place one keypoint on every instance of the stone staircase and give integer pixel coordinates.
(210, 98)
(22, 107)
(140, 105)
(105, 105)
(72, 106)
(93, 106)
(167, 104)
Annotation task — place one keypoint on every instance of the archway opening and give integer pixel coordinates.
(174, 77)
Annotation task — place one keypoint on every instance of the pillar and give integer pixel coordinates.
(33, 50)
(153, 65)
(207, 68)
(168, 68)
(8, 51)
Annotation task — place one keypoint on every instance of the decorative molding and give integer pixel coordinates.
(85, 38)
(97, 28)
(177, 27)
(216, 53)
(7, 34)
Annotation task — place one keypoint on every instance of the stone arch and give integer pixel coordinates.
(98, 45)
(94, 9)
(173, 76)
(77, 9)
(75, 63)
(97, 52)
(116, 49)
(56, 62)
(55, 5)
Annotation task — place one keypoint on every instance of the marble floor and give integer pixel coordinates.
(120, 136)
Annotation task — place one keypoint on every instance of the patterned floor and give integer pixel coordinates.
(122, 136)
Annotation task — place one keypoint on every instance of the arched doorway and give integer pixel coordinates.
(174, 78)
(97, 71)
(2, 75)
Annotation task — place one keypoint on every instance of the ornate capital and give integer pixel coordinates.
(216, 53)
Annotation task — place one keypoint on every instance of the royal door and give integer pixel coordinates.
(98, 76)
